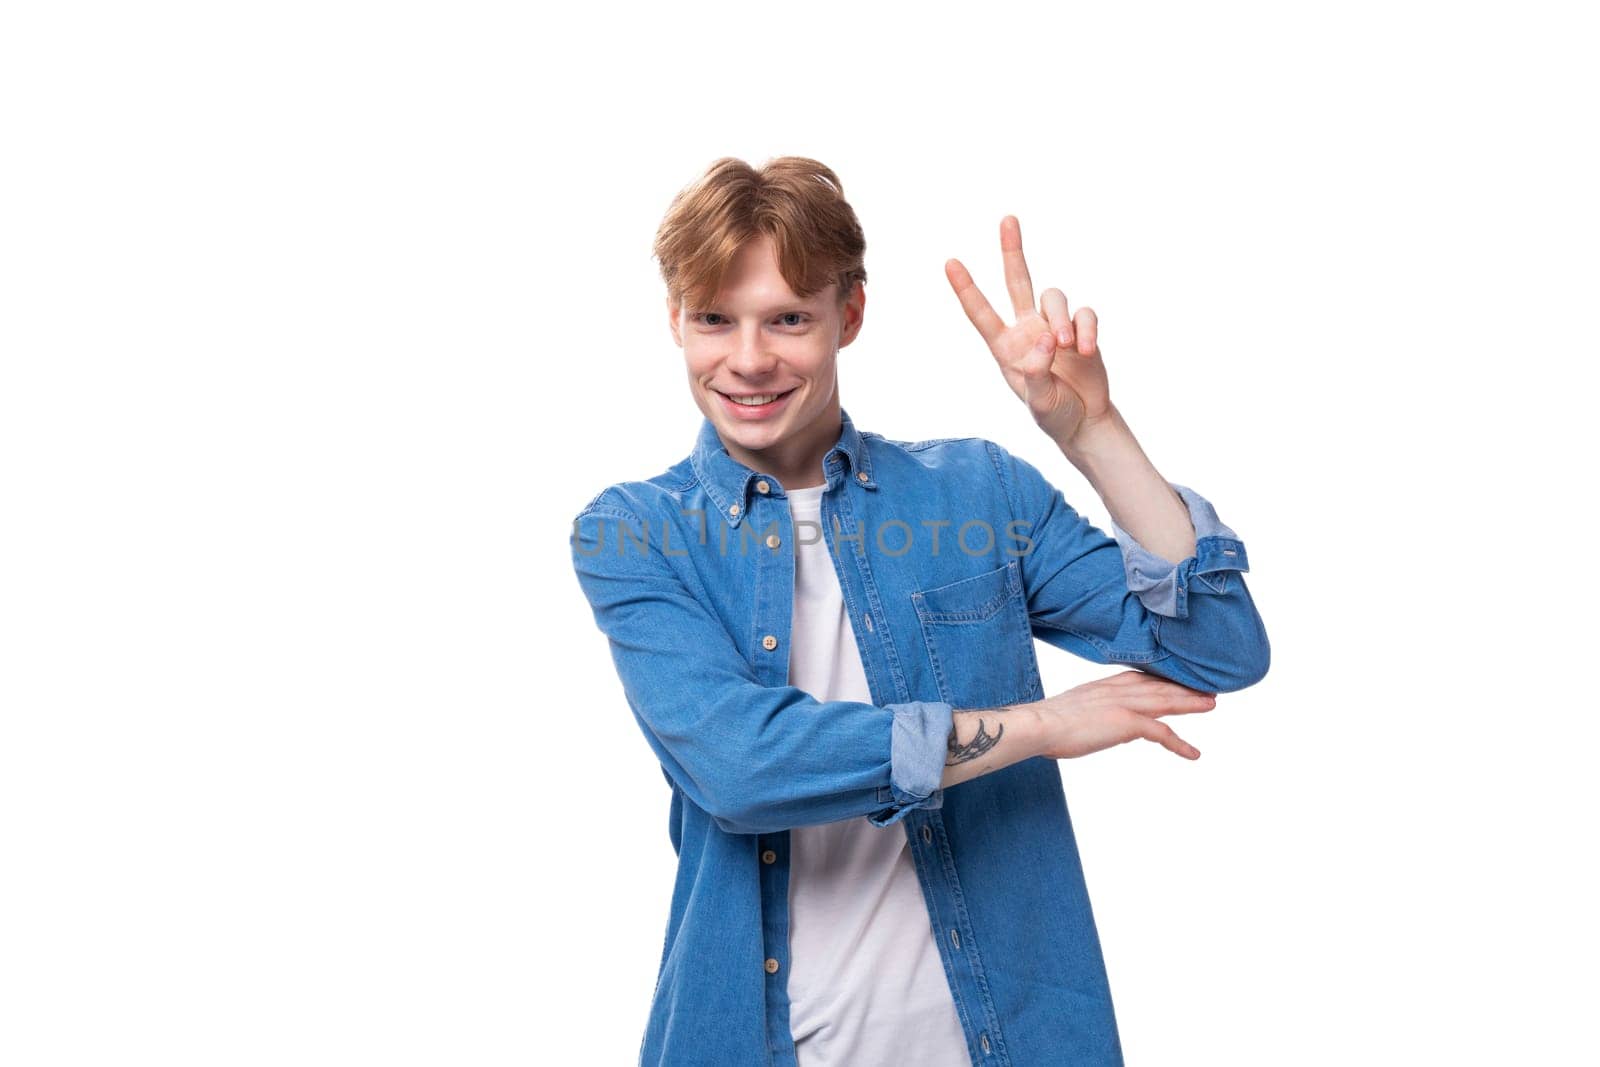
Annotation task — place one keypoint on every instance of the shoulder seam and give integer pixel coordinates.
(918, 446)
(593, 501)
(615, 510)
(994, 451)
(690, 483)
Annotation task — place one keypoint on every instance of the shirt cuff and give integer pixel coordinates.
(1164, 587)
(918, 745)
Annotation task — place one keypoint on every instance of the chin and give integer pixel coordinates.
(752, 434)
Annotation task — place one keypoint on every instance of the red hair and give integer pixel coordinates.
(796, 201)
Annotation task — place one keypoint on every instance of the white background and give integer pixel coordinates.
(320, 321)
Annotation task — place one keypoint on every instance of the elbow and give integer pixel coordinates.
(1230, 660)
(1263, 657)
(1252, 666)
(1265, 660)
(1255, 670)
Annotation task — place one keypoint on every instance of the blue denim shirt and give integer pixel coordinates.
(953, 556)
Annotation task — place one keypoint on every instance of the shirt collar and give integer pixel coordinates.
(727, 481)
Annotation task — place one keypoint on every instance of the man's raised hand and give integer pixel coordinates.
(1051, 359)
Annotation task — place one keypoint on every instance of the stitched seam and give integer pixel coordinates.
(1103, 647)
(924, 445)
(933, 658)
(926, 620)
(609, 512)
(964, 923)
(947, 861)
(978, 612)
(1005, 483)
(937, 920)
(983, 611)
(681, 487)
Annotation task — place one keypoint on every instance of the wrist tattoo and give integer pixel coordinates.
(981, 742)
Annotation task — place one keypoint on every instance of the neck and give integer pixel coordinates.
(796, 461)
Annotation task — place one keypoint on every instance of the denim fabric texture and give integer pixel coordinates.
(953, 556)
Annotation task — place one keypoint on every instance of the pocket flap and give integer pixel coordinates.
(970, 599)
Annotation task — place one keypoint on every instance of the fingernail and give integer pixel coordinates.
(1065, 338)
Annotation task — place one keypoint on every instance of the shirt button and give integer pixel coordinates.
(769, 856)
(763, 485)
(955, 938)
(773, 541)
(861, 476)
(733, 509)
(772, 965)
(984, 1040)
(769, 642)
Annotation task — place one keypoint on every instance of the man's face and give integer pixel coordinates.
(759, 341)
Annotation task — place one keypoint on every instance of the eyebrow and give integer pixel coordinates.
(798, 304)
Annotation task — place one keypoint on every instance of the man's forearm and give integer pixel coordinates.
(987, 739)
(1134, 492)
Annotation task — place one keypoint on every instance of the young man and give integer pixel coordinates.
(826, 636)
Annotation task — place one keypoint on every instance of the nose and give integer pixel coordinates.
(751, 358)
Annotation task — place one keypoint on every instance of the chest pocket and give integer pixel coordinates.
(978, 639)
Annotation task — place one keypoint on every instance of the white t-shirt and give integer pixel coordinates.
(866, 985)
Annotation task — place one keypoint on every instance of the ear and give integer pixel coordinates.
(674, 309)
(852, 313)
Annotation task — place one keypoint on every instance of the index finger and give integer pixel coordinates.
(973, 302)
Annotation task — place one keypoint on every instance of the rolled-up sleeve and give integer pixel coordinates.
(756, 758)
(1163, 586)
(1110, 600)
(918, 746)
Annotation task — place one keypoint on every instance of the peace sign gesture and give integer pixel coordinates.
(1050, 359)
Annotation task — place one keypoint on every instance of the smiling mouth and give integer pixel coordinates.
(755, 400)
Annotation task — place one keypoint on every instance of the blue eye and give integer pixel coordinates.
(706, 317)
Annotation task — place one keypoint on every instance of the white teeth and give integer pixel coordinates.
(753, 401)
